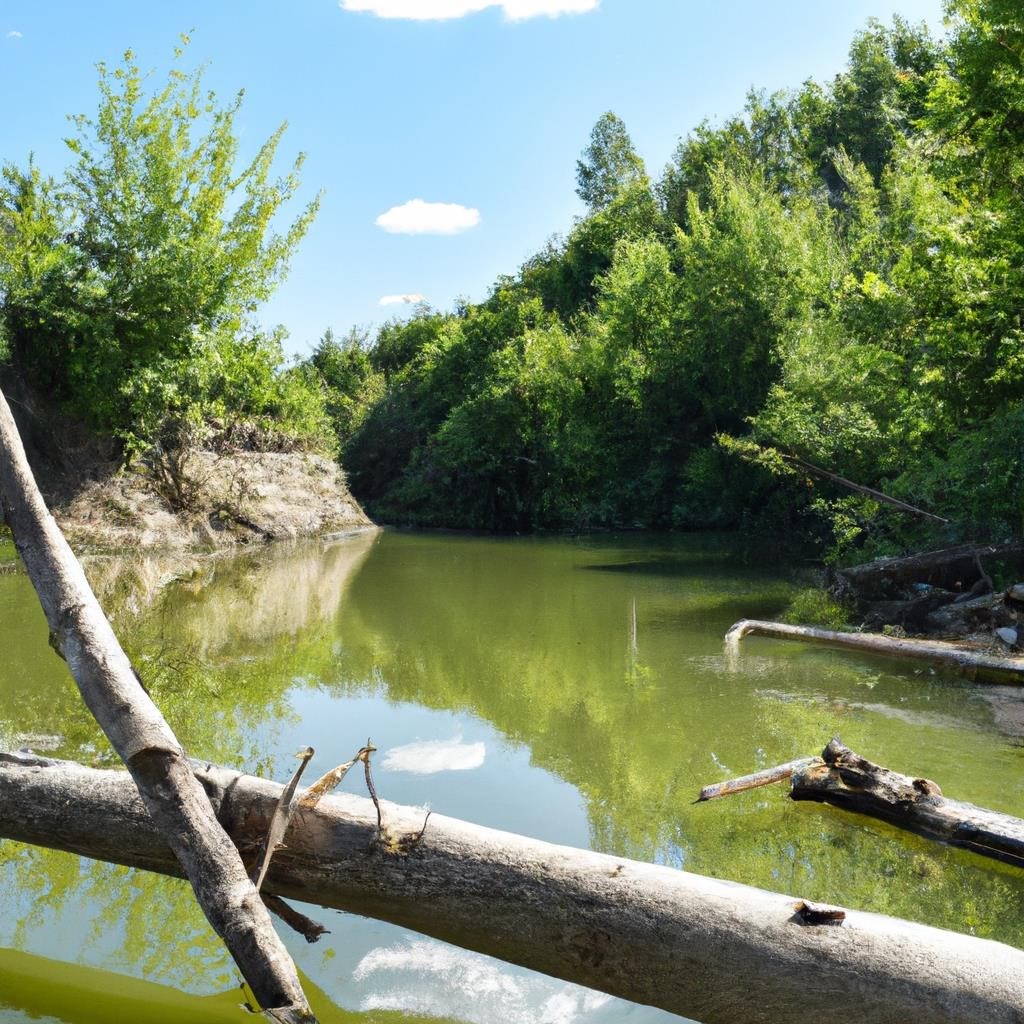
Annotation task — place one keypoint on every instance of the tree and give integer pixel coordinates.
(608, 164)
(150, 255)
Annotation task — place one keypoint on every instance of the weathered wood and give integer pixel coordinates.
(845, 779)
(710, 950)
(138, 732)
(766, 777)
(957, 568)
(985, 668)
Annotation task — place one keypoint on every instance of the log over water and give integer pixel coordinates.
(845, 779)
(711, 950)
(981, 667)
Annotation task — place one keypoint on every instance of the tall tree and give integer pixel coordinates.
(608, 164)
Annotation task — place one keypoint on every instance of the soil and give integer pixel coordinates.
(233, 499)
(213, 501)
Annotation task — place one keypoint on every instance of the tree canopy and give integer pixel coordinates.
(832, 274)
(127, 286)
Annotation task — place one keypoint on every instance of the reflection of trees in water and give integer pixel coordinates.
(637, 709)
(218, 649)
(613, 701)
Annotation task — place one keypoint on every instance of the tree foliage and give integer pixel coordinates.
(608, 165)
(832, 274)
(127, 287)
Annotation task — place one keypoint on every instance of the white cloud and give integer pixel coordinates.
(421, 977)
(419, 218)
(398, 300)
(14, 34)
(442, 10)
(431, 756)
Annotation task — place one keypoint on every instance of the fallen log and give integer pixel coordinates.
(845, 779)
(113, 692)
(957, 568)
(707, 949)
(986, 668)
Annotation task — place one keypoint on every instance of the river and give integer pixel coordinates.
(572, 690)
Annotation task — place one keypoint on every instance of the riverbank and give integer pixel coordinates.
(235, 499)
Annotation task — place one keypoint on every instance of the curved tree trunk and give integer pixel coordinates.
(711, 950)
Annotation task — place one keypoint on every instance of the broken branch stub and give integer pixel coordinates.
(145, 742)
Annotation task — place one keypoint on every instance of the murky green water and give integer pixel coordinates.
(576, 691)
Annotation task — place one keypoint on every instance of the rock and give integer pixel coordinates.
(1007, 635)
(1016, 593)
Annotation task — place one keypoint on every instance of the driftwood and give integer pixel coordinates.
(707, 949)
(955, 569)
(763, 778)
(986, 668)
(845, 779)
(81, 634)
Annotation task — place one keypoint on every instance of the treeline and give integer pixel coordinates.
(834, 274)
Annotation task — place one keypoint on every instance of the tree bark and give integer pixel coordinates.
(954, 568)
(985, 668)
(711, 950)
(844, 779)
(80, 632)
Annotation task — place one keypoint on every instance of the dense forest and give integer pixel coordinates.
(833, 274)
(834, 277)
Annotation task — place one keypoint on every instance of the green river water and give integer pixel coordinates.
(572, 690)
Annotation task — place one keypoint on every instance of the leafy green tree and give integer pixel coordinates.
(149, 257)
(608, 164)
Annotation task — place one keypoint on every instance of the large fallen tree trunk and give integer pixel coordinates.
(113, 692)
(845, 779)
(711, 950)
(982, 667)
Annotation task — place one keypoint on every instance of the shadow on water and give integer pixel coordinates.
(42, 988)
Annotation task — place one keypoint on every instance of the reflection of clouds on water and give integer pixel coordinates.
(433, 979)
(431, 756)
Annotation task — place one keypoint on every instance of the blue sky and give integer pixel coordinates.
(391, 102)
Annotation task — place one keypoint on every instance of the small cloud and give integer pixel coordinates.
(443, 10)
(419, 218)
(14, 34)
(398, 300)
(431, 756)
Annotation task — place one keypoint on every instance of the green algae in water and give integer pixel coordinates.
(577, 691)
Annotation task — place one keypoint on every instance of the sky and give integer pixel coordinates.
(442, 134)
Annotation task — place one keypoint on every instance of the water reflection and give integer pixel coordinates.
(428, 757)
(575, 691)
(426, 977)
